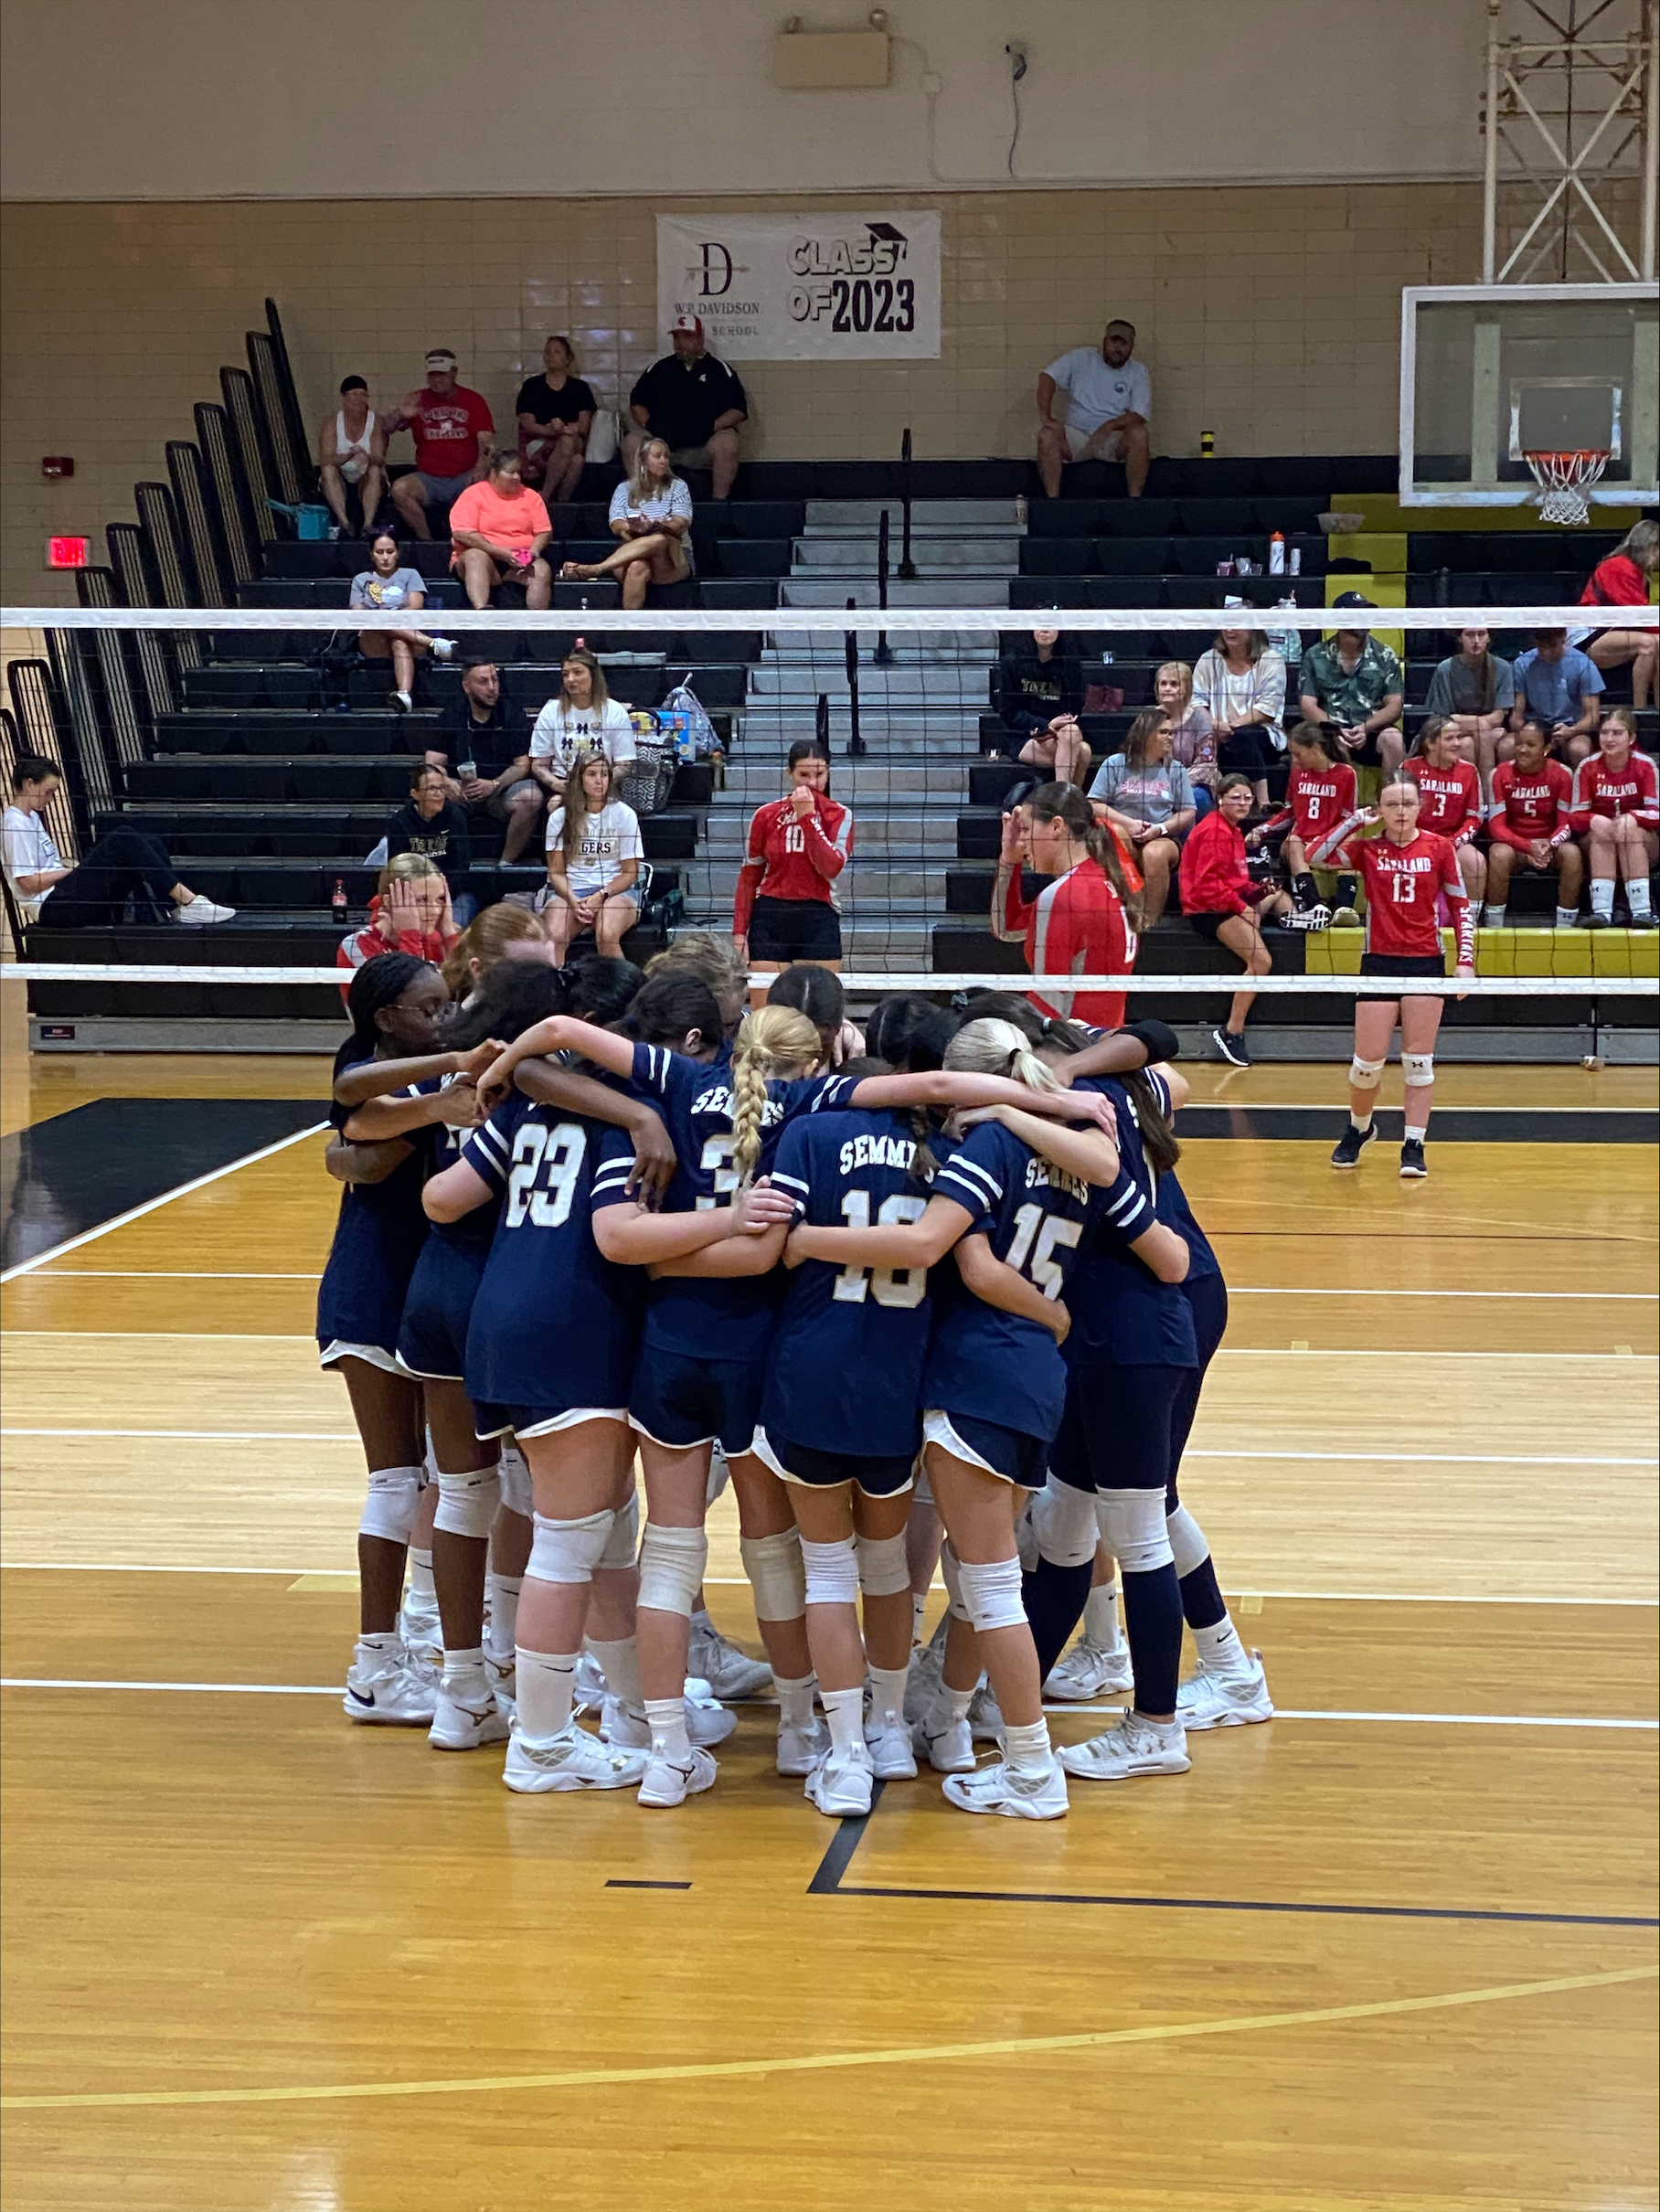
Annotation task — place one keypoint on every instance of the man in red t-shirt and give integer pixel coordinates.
(454, 434)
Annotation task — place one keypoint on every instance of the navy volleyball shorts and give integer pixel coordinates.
(793, 1463)
(679, 1401)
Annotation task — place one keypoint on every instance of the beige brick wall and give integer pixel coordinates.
(1269, 313)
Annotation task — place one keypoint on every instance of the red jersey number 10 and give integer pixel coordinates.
(795, 839)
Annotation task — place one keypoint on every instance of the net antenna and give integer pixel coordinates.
(1565, 480)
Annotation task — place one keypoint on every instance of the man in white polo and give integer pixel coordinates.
(1109, 401)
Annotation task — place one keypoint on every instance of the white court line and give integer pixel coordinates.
(1251, 1289)
(317, 1690)
(253, 1337)
(208, 1436)
(180, 1190)
(194, 1274)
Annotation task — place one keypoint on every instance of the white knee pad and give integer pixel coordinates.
(992, 1593)
(569, 1551)
(953, 1576)
(672, 1561)
(388, 1511)
(777, 1577)
(1365, 1075)
(833, 1572)
(623, 1541)
(1418, 1068)
(884, 1570)
(1066, 1523)
(1188, 1545)
(467, 1503)
(1132, 1527)
(517, 1495)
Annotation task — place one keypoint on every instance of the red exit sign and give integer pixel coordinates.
(67, 552)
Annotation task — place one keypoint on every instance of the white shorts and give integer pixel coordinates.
(576, 1418)
(1077, 439)
(338, 1348)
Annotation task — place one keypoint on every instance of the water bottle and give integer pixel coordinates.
(1276, 554)
(1021, 510)
(339, 904)
(1296, 560)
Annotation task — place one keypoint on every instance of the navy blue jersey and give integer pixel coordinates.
(993, 1365)
(378, 1236)
(438, 1306)
(713, 1320)
(845, 1369)
(1176, 1213)
(555, 1325)
(1121, 1312)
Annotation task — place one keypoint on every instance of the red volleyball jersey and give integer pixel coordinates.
(791, 856)
(1403, 883)
(1601, 789)
(1527, 808)
(1317, 802)
(1451, 804)
(1076, 926)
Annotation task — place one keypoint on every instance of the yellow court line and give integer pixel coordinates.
(911, 2055)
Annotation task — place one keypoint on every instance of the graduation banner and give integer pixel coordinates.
(805, 287)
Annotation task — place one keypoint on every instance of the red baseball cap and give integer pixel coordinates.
(694, 323)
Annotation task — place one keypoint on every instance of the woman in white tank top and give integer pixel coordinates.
(351, 449)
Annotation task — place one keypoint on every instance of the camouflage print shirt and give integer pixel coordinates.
(1349, 695)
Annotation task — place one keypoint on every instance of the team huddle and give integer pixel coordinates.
(943, 1303)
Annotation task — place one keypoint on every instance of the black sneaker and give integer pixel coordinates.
(1413, 1166)
(1593, 920)
(1230, 1044)
(1349, 1146)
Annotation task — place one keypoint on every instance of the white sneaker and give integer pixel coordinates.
(887, 1741)
(1090, 1669)
(728, 1672)
(842, 1784)
(1136, 1747)
(1004, 1789)
(922, 1681)
(502, 1675)
(1214, 1699)
(384, 1690)
(986, 1715)
(443, 648)
(573, 1760)
(198, 912)
(466, 1727)
(801, 1748)
(667, 1783)
(707, 1722)
(947, 1745)
(591, 1689)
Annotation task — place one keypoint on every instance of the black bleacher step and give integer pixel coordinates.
(294, 732)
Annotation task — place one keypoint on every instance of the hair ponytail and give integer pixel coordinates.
(1157, 1135)
(989, 1046)
(1065, 803)
(775, 1042)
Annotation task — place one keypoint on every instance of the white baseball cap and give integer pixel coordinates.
(440, 357)
(693, 323)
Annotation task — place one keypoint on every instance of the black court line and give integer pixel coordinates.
(1452, 1125)
(827, 1881)
(621, 1884)
(82, 1168)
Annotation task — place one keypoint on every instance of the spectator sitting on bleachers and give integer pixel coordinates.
(409, 913)
(1192, 736)
(1109, 402)
(694, 402)
(1625, 578)
(651, 511)
(555, 412)
(1474, 692)
(454, 434)
(1039, 699)
(1145, 793)
(386, 586)
(498, 530)
(580, 717)
(1223, 904)
(351, 454)
(124, 864)
(1240, 682)
(1559, 687)
(483, 770)
(594, 850)
(431, 823)
(1353, 680)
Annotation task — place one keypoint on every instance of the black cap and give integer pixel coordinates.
(353, 384)
(1353, 599)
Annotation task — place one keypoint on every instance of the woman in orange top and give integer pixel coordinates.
(499, 530)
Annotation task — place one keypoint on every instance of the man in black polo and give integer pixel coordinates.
(695, 402)
(486, 758)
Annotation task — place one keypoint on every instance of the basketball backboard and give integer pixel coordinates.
(1492, 372)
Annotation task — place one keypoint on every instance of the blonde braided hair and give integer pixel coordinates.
(775, 1042)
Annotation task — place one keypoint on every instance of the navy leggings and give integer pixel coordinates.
(126, 865)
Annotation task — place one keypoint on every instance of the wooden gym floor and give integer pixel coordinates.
(1397, 1950)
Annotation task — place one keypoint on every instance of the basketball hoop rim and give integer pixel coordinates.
(1568, 465)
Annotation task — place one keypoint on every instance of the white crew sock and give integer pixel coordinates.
(1603, 896)
(888, 1692)
(845, 1711)
(666, 1719)
(795, 1700)
(1566, 916)
(1027, 1750)
(383, 1641)
(1636, 894)
(619, 1664)
(543, 1681)
(1101, 1621)
(1362, 1122)
(1493, 918)
(464, 1678)
(500, 1636)
(954, 1704)
(421, 1585)
(919, 1608)
(1219, 1648)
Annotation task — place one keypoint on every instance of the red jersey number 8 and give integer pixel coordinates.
(1313, 807)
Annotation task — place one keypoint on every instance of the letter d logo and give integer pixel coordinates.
(717, 271)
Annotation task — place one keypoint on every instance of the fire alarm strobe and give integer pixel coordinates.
(56, 466)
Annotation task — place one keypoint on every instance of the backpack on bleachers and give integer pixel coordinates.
(645, 784)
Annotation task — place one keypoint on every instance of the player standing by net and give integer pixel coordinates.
(1085, 922)
(1406, 870)
(785, 908)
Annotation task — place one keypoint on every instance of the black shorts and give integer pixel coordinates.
(794, 929)
(793, 1463)
(1207, 925)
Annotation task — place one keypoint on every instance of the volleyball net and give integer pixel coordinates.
(261, 744)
